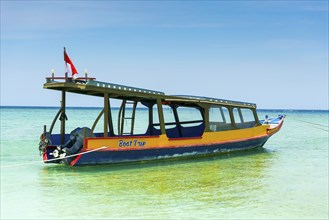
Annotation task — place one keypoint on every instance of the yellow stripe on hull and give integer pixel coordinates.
(162, 141)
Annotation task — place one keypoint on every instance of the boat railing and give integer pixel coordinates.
(216, 100)
(68, 79)
(90, 81)
(123, 87)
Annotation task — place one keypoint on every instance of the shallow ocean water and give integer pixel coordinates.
(287, 179)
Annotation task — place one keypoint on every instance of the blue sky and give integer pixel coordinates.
(272, 53)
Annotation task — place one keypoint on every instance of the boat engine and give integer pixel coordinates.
(44, 142)
(74, 144)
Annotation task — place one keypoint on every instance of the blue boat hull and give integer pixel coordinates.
(109, 157)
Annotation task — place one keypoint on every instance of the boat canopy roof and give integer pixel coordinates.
(89, 86)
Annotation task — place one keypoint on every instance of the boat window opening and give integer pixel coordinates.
(76, 120)
(190, 120)
(130, 118)
(141, 120)
(55, 126)
(219, 119)
(244, 118)
(115, 113)
(189, 116)
(169, 117)
(248, 115)
(96, 125)
(236, 115)
(126, 117)
(156, 122)
(183, 121)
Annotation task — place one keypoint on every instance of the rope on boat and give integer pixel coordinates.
(73, 155)
(325, 126)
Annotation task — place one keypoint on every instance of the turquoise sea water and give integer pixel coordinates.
(287, 179)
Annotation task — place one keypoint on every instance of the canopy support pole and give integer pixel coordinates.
(161, 117)
(106, 114)
(63, 117)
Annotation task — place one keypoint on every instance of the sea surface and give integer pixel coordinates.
(286, 179)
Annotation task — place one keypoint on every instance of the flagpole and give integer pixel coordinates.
(63, 105)
(68, 61)
(65, 66)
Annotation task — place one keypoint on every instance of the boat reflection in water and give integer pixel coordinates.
(176, 187)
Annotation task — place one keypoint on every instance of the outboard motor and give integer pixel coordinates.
(44, 142)
(73, 145)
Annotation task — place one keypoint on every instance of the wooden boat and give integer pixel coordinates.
(150, 125)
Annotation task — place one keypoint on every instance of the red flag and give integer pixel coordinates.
(69, 61)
